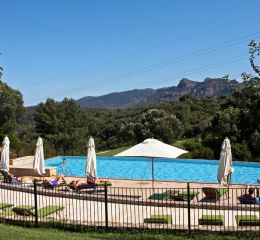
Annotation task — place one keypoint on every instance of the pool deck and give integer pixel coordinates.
(140, 183)
(123, 209)
(129, 202)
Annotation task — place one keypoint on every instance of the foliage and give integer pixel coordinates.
(240, 152)
(1, 72)
(197, 150)
(254, 50)
(11, 109)
(63, 125)
(156, 123)
(208, 121)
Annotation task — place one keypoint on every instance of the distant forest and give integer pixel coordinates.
(197, 125)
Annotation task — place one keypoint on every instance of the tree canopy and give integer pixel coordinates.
(62, 124)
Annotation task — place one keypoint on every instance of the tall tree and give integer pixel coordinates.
(11, 108)
(254, 50)
(157, 123)
(63, 125)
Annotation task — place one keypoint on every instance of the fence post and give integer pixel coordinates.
(106, 207)
(189, 219)
(35, 204)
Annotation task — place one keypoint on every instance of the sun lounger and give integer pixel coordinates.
(214, 193)
(246, 201)
(16, 182)
(53, 186)
(165, 219)
(45, 211)
(2, 177)
(183, 196)
(6, 176)
(172, 192)
(247, 220)
(27, 210)
(160, 197)
(174, 195)
(83, 187)
(217, 220)
(5, 205)
(97, 187)
(5, 209)
(102, 183)
(23, 210)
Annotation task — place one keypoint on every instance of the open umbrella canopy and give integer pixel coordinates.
(5, 154)
(91, 170)
(225, 163)
(152, 148)
(38, 162)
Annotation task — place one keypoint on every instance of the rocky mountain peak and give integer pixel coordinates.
(139, 97)
(186, 83)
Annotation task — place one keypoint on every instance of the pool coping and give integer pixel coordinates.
(60, 156)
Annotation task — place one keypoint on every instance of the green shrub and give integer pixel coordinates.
(191, 144)
(199, 153)
(240, 152)
(196, 150)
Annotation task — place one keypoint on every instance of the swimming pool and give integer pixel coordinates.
(164, 169)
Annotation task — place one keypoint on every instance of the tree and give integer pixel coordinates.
(11, 109)
(226, 123)
(254, 50)
(63, 125)
(1, 72)
(239, 118)
(158, 124)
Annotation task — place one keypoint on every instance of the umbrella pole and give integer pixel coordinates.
(229, 178)
(153, 173)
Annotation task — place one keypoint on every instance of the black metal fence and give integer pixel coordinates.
(189, 209)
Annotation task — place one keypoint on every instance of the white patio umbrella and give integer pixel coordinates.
(38, 162)
(5, 154)
(152, 148)
(225, 168)
(91, 169)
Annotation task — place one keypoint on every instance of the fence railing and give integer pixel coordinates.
(188, 208)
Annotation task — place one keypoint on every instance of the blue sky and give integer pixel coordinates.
(66, 48)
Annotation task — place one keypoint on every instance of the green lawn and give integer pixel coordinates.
(9, 232)
(112, 152)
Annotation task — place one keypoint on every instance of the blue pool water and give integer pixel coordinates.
(164, 169)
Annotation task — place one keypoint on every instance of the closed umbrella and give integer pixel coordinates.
(225, 168)
(91, 169)
(5, 154)
(38, 162)
(152, 148)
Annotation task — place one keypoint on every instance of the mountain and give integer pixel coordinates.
(138, 97)
(118, 99)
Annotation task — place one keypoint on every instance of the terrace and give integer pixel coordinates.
(119, 206)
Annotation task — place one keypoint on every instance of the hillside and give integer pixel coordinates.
(118, 99)
(138, 97)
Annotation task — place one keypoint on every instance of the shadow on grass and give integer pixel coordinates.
(96, 232)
